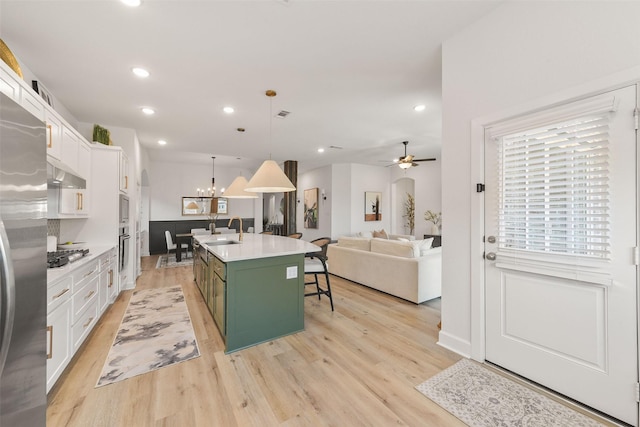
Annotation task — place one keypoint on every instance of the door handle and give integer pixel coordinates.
(491, 256)
(7, 295)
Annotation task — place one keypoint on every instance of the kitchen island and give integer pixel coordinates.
(254, 287)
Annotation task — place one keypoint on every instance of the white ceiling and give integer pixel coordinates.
(350, 73)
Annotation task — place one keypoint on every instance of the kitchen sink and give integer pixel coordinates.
(220, 242)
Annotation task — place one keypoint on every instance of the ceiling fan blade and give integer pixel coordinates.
(424, 160)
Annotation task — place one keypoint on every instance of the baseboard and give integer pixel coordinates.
(455, 344)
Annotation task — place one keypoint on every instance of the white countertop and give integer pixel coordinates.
(254, 246)
(53, 274)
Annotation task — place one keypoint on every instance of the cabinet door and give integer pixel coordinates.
(84, 161)
(219, 306)
(124, 173)
(72, 201)
(32, 104)
(54, 135)
(58, 341)
(69, 154)
(103, 291)
(8, 85)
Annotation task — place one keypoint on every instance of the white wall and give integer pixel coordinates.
(427, 192)
(340, 195)
(370, 178)
(170, 181)
(522, 55)
(318, 178)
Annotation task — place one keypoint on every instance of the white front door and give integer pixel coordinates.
(560, 245)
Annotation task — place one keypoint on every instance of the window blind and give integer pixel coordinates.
(554, 188)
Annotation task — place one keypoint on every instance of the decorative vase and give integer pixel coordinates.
(435, 230)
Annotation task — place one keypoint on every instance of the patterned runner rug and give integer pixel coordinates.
(480, 397)
(155, 332)
(163, 262)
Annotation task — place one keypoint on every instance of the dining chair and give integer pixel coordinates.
(266, 232)
(172, 246)
(316, 263)
(295, 235)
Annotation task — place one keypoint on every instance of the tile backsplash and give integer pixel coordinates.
(53, 228)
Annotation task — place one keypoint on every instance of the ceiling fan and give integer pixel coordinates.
(408, 161)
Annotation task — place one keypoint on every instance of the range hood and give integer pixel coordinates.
(59, 176)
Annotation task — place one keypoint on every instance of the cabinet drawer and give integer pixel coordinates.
(84, 274)
(32, 104)
(220, 268)
(84, 297)
(104, 261)
(58, 293)
(83, 326)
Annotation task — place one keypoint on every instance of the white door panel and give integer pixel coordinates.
(567, 320)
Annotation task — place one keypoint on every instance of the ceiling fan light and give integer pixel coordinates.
(404, 165)
(237, 190)
(269, 178)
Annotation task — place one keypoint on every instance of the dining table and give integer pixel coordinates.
(180, 238)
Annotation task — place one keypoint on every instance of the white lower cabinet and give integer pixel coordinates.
(75, 302)
(58, 341)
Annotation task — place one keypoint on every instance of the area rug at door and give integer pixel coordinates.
(480, 397)
(170, 261)
(155, 332)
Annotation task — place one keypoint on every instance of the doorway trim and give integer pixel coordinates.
(477, 350)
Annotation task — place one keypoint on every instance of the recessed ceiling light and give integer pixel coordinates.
(420, 107)
(320, 150)
(162, 142)
(132, 3)
(228, 110)
(140, 72)
(148, 111)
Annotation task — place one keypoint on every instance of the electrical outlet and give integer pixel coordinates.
(292, 272)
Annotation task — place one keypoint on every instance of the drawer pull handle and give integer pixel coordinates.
(50, 331)
(50, 129)
(55, 297)
(88, 322)
(89, 273)
(90, 294)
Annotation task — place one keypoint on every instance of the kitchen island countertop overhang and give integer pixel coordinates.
(253, 246)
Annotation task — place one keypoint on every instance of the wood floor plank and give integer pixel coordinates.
(357, 365)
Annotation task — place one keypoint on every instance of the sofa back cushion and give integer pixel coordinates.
(393, 247)
(360, 243)
(405, 249)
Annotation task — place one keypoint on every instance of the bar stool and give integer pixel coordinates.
(316, 263)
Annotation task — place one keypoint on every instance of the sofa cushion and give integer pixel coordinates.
(425, 245)
(402, 248)
(394, 247)
(380, 234)
(365, 234)
(360, 243)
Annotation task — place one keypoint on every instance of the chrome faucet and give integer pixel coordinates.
(239, 219)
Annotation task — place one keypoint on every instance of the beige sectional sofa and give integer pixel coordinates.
(411, 270)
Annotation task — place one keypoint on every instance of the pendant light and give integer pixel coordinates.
(237, 189)
(269, 178)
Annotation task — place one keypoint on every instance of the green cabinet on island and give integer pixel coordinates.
(256, 288)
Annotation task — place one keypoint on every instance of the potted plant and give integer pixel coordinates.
(436, 220)
(410, 213)
(101, 135)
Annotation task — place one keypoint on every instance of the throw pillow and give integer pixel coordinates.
(425, 245)
(365, 234)
(402, 239)
(380, 234)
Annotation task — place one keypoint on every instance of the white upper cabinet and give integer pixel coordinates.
(54, 134)
(70, 143)
(8, 84)
(124, 173)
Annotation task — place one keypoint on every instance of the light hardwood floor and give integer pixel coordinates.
(356, 366)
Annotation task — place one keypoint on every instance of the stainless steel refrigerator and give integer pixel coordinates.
(23, 274)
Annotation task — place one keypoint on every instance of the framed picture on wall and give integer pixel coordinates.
(223, 205)
(372, 204)
(311, 208)
(196, 205)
